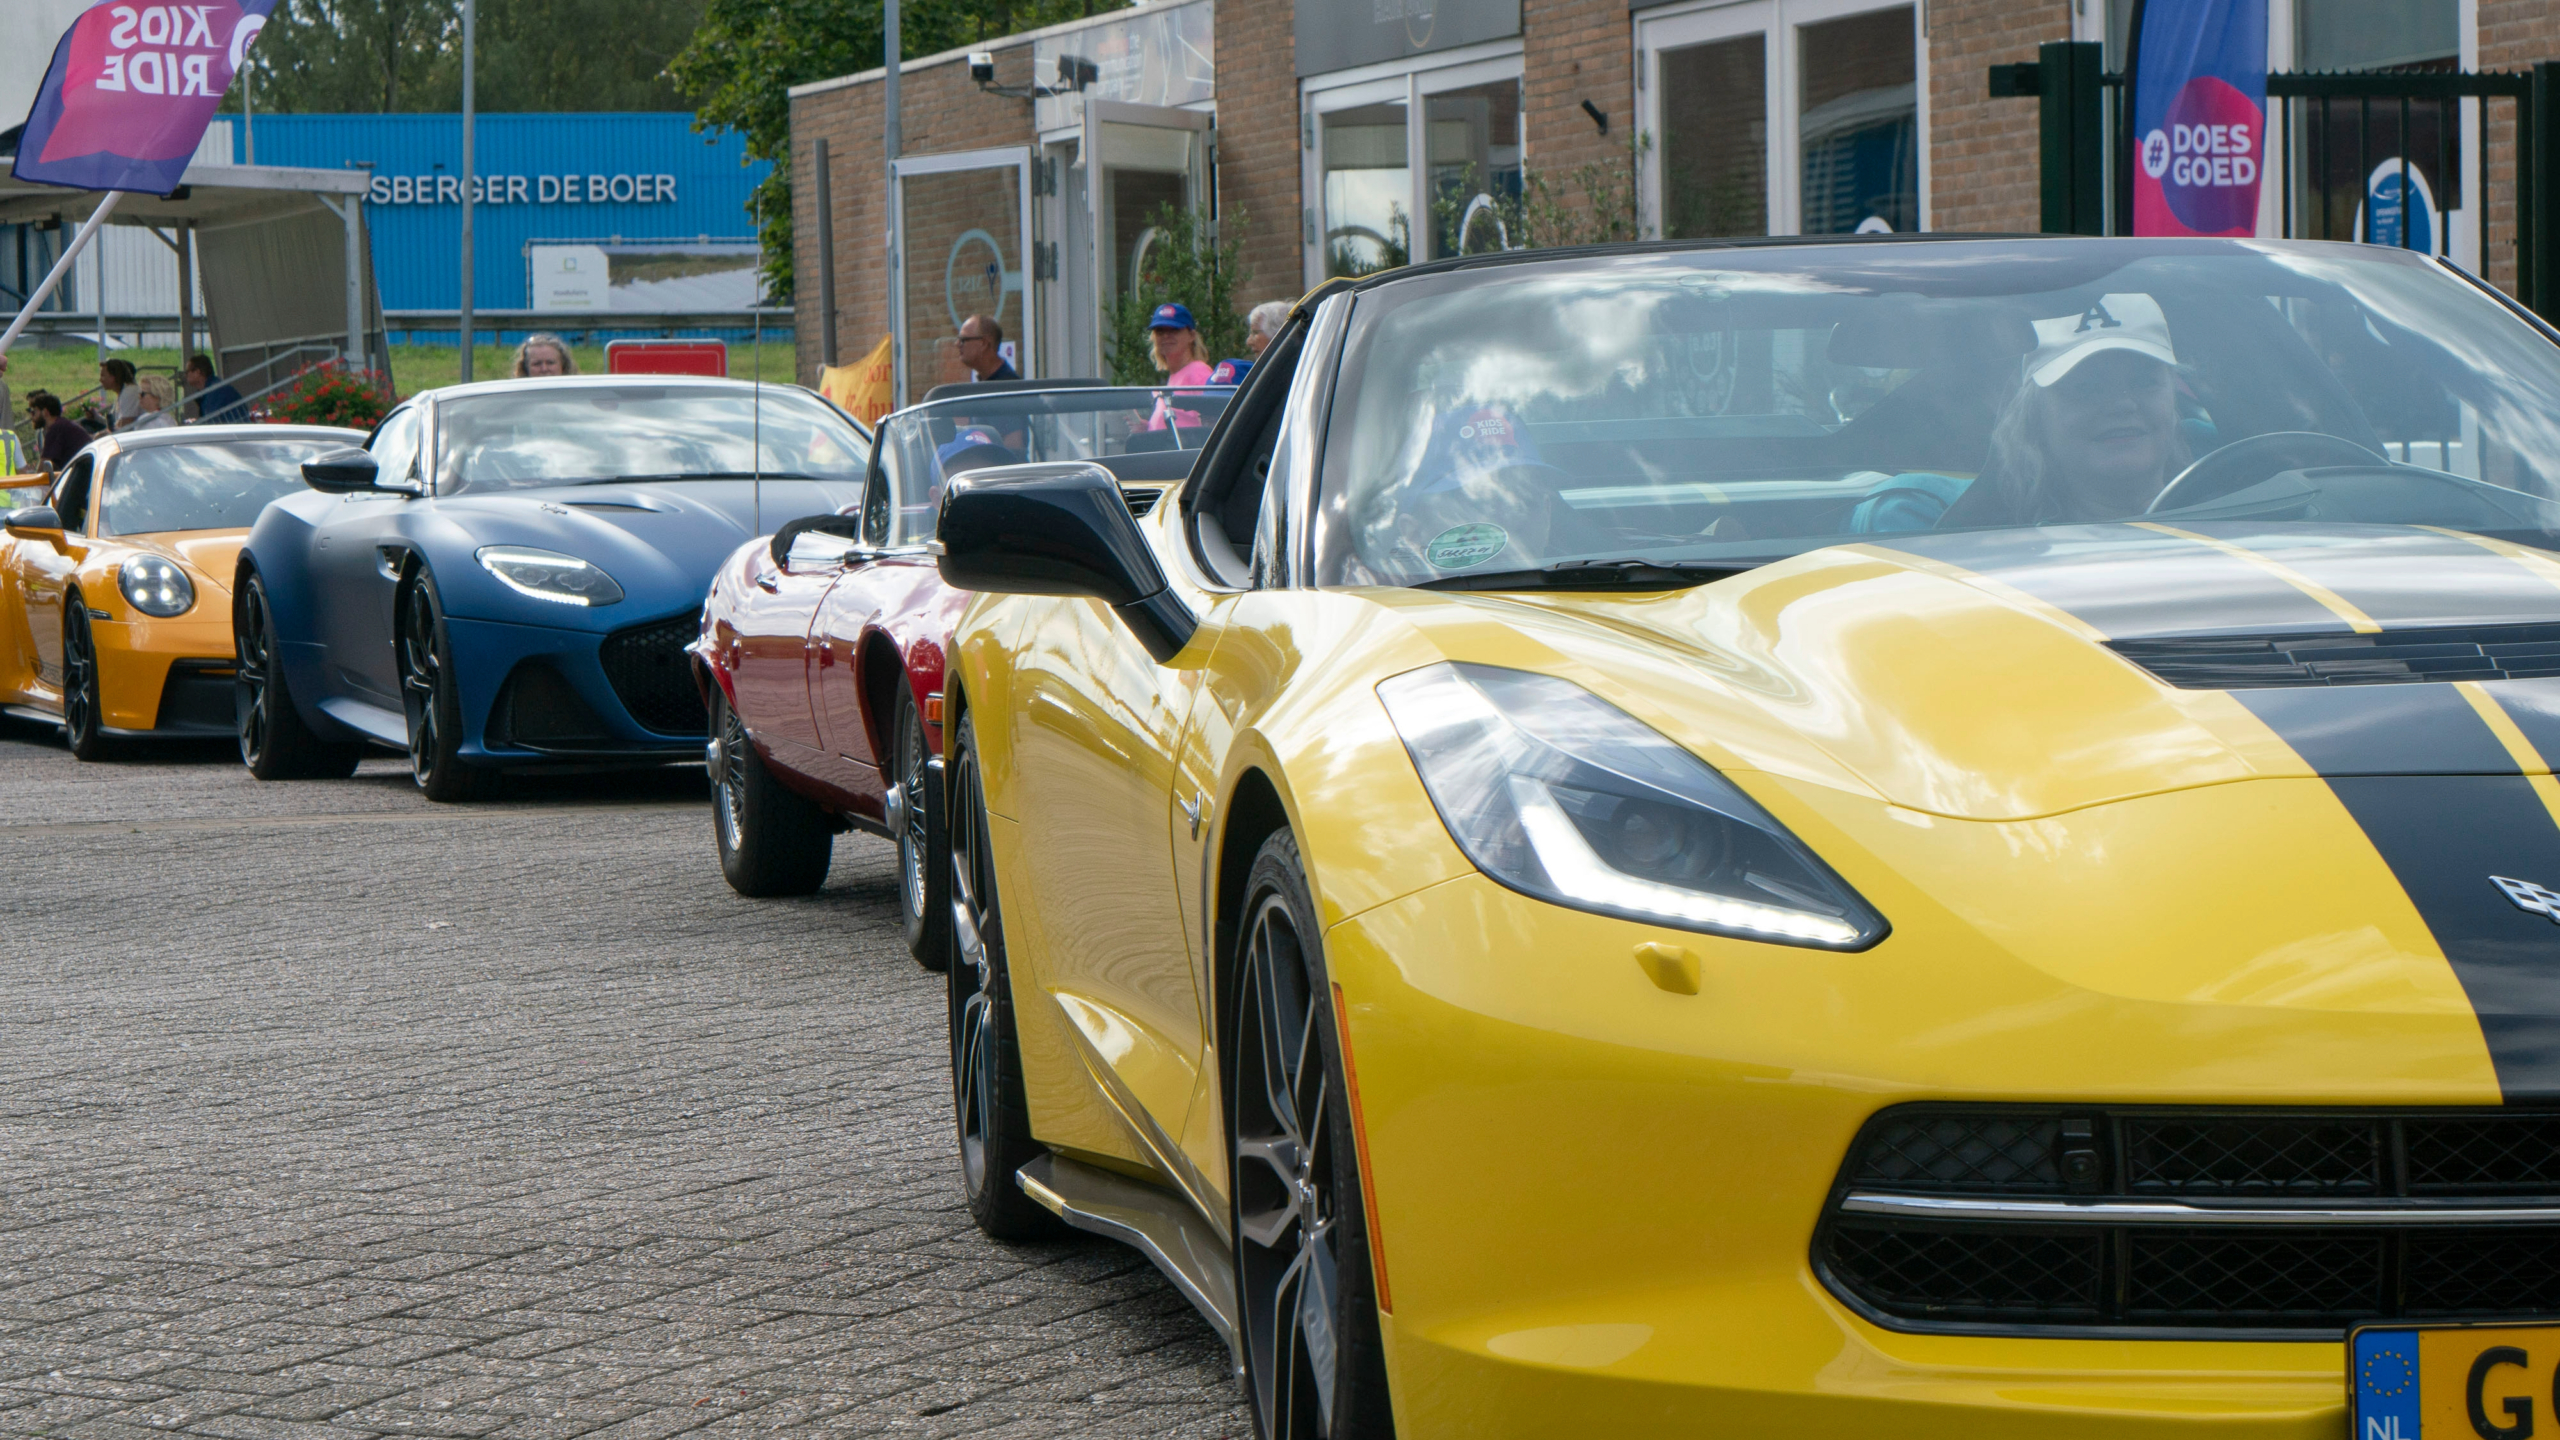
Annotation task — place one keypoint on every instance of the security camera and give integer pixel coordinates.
(982, 66)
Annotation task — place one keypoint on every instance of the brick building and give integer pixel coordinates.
(1343, 135)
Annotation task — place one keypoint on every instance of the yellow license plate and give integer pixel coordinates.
(2452, 1382)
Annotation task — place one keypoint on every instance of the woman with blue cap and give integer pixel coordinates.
(1176, 342)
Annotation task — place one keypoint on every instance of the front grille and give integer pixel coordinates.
(538, 709)
(2253, 662)
(2135, 1272)
(652, 677)
(199, 698)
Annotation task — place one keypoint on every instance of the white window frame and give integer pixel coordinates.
(1779, 23)
(1016, 158)
(1405, 82)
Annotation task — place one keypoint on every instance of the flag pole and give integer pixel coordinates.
(53, 278)
(470, 327)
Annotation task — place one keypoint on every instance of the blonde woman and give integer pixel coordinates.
(159, 403)
(544, 354)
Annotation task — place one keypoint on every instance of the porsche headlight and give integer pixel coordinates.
(1558, 794)
(156, 586)
(549, 575)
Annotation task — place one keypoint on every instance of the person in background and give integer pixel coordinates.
(544, 354)
(1176, 341)
(1262, 325)
(116, 378)
(159, 403)
(217, 403)
(57, 439)
(982, 349)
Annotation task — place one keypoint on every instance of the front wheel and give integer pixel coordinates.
(275, 743)
(1313, 1362)
(433, 698)
(924, 876)
(82, 716)
(772, 840)
(986, 1057)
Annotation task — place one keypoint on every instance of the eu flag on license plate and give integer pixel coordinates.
(2386, 1373)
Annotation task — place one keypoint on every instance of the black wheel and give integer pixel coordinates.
(773, 841)
(1313, 1362)
(915, 818)
(275, 743)
(82, 724)
(986, 1058)
(432, 699)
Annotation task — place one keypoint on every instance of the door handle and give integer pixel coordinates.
(767, 584)
(826, 654)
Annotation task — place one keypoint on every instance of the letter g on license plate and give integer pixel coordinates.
(2454, 1382)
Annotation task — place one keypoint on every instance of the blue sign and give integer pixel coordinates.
(2199, 79)
(605, 179)
(2399, 209)
(2386, 1379)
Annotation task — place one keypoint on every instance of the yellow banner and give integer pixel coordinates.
(862, 388)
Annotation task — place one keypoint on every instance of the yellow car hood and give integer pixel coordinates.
(1977, 676)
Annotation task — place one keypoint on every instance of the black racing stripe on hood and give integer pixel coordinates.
(2382, 730)
(2444, 837)
(2130, 582)
(2535, 707)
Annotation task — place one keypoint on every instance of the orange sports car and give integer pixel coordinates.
(115, 597)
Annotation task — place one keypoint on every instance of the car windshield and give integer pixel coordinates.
(518, 438)
(1143, 436)
(220, 485)
(1712, 408)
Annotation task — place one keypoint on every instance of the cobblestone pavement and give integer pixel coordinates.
(326, 1112)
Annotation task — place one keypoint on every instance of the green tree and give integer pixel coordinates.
(746, 54)
(373, 56)
(350, 56)
(1185, 264)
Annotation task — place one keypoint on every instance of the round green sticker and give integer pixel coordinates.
(1463, 547)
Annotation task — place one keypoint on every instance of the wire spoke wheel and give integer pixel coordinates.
(915, 817)
(729, 778)
(913, 856)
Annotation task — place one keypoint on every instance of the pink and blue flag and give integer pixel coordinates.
(131, 90)
(2199, 82)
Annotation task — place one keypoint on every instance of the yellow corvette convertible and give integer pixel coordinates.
(115, 610)
(1869, 839)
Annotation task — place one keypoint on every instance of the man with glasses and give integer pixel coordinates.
(982, 349)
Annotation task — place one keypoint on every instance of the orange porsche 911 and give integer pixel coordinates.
(115, 598)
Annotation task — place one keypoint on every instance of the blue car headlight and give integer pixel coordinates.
(1558, 794)
(156, 586)
(549, 575)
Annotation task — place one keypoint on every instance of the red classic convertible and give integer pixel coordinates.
(820, 655)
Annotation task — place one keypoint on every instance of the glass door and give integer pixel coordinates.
(963, 227)
(1709, 101)
(1062, 263)
(1144, 165)
(1857, 120)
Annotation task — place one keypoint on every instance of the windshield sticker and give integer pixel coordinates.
(1463, 547)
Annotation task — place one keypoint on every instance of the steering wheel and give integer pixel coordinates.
(2243, 463)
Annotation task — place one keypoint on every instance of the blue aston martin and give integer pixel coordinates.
(507, 574)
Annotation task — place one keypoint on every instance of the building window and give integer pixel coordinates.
(1715, 139)
(1859, 129)
(1414, 165)
(1474, 156)
(1368, 190)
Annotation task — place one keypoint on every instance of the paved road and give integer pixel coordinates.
(325, 1112)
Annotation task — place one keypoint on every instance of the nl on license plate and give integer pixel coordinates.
(2450, 1382)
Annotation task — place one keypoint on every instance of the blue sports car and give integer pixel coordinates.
(507, 574)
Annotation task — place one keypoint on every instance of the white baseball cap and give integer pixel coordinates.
(2116, 322)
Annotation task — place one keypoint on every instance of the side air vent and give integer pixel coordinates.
(2397, 657)
(1141, 498)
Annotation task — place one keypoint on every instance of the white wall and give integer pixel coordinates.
(28, 31)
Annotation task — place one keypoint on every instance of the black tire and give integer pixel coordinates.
(772, 840)
(924, 874)
(275, 742)
(1295, 1178)
(433, 699)
(986, 1054)
(83, 714)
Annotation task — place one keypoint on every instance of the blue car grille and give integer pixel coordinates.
(651, 676)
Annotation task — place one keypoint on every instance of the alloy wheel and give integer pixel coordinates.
(249, 633)
(976, 929)
(421, 676)
(79, 676)
(1289, 1266)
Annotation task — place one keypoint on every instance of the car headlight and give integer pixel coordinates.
(1558, 794)
(156, 586)
(549, 575)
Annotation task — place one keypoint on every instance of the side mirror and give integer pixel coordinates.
(1058, 529)
(34, 522)
(343, 471)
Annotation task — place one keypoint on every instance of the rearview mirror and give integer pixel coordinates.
(34, 522)
(343, 471)
(843, 527)
(1058, 529)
